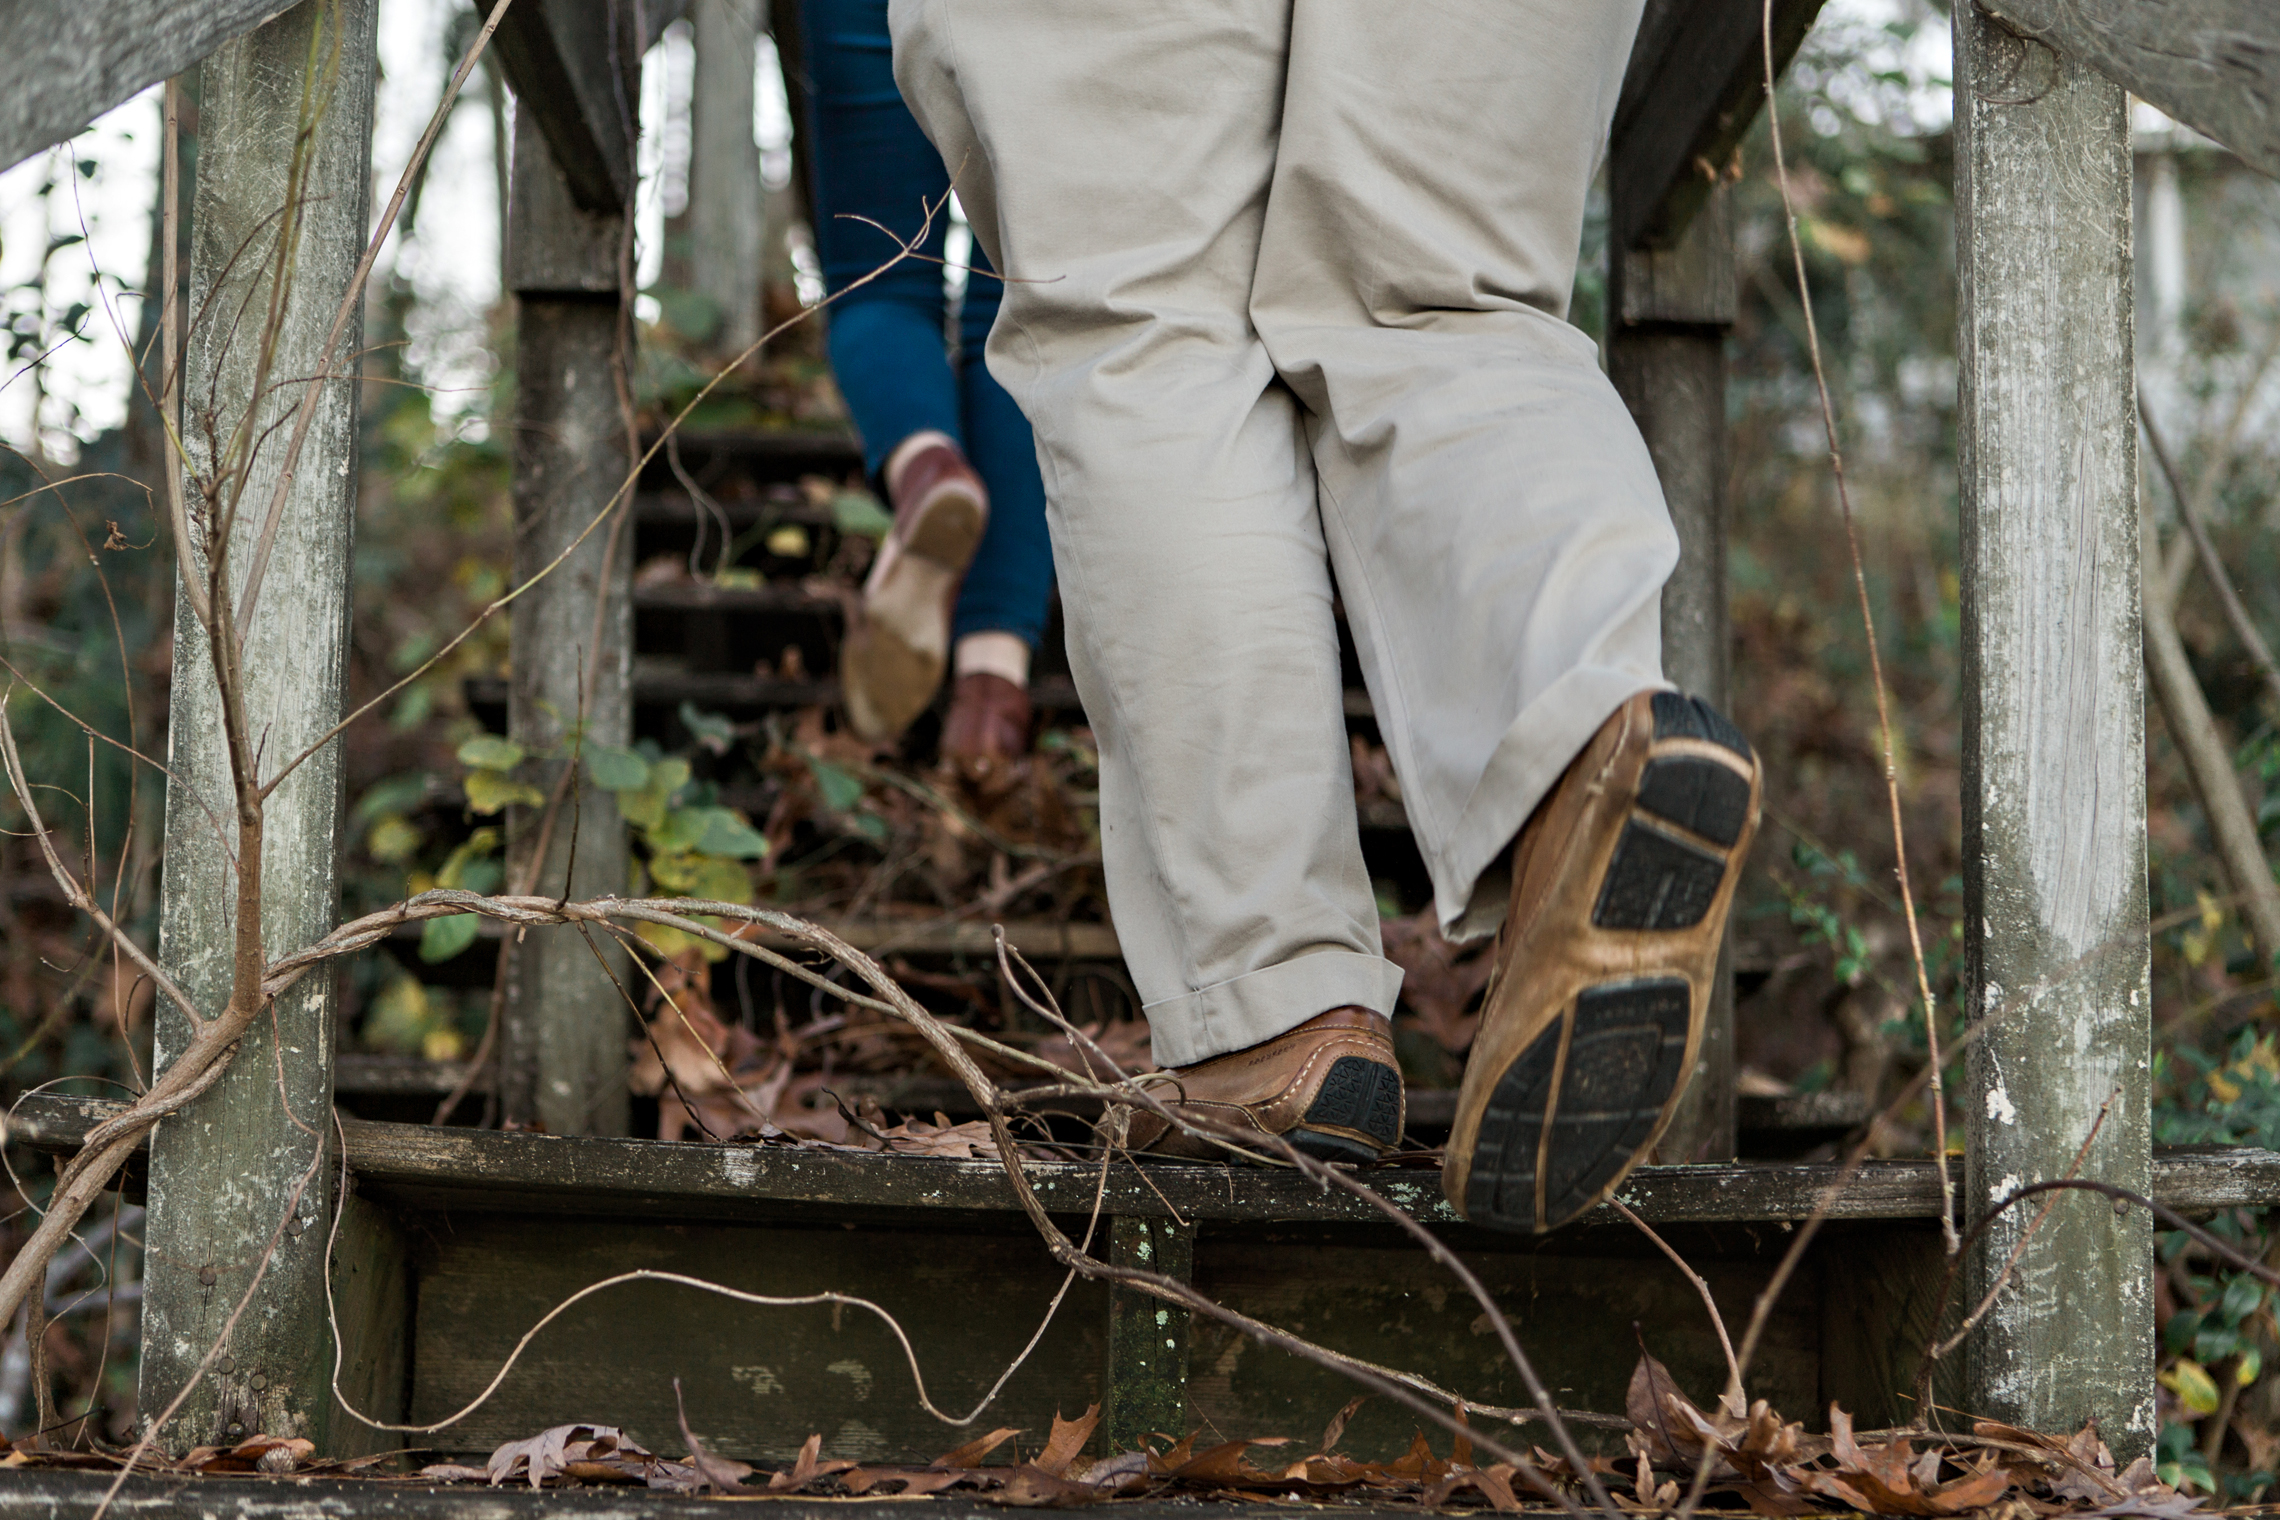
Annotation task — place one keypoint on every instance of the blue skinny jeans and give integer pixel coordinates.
(888, 344)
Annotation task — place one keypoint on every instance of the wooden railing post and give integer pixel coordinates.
(2054, 734)
(563, 1051)
(1668, 312)
(727, 217)
(1144, 1386)
(224, 1172)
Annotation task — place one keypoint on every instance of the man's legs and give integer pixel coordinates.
(1496, 525)
(1501, 542)
(1115, 161)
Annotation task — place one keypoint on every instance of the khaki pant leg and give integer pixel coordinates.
(1115, 159)
(1495, 523)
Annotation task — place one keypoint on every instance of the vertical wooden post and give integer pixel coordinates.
(563, 1056)
(2054, 732)
(1668, 312)
(726, 216)
(1144, 1388)
(224, 1170)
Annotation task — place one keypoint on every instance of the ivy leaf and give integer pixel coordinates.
(721, 880)
(841, 789)
(2242, 1298)
(712, 730)
(392, 840)
(489, 752)
(443, 938)
(678, 831)
(872, 827)
(489, 791)
(616, 770)
(860, 512)
(726, 833)
(2195, 1389)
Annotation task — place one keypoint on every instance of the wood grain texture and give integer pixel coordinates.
(2212, 64)
(758, 1381)
(69, 61)
(487, 1170)
(566, 60)
(727, 217)
(224, 1171)
(1695, 83)
(563, 1051)
(1144, 1384)
(1667, 357)
(2054, 730)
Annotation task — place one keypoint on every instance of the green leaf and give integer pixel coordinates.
(491, 753)
(841, 789)
(727, 834)
(392, 840)
(712, 730)
(616, 770)
(872, 827)
(2242, 1298)
(678, 831)
(457, 866)
(860, 512)
(397, 794)
(675, 872)
(2251, 1365)
(443, 938)
(489, 791)
(2195, 1389)
(721, 880)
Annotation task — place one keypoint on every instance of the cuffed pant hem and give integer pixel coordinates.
(1258, 1005)
(1549, 733)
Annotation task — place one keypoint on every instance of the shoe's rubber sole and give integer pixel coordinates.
(1579, 1107)
(1358, 1095)
(892, 671)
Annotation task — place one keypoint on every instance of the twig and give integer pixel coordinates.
(2189, 514)
(1875, 658)
(1736, 1401)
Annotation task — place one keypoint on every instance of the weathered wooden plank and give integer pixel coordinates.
(224, 1172)
(562, 1054)
(372, 1304)
(758, 1380)
(69, 61)
(1581, 1319)
(484, 1170)
(1666, 352)
(567, 61)
(1144, 1386)
(727, 220)
(51, 1494)
(2054, 730)
(1695, 83)
(2212, 64)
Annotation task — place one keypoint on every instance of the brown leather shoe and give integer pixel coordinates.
(987, 729)
(1331, 1085)
(1620, 886)
(898, 639)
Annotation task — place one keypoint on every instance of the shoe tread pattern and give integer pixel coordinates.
(1683, 717)
(1697, 793)
(1657, 882)
(1625, 1059)
(1359, 1094)
(1501, 1188)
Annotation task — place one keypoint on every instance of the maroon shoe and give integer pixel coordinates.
(898, 639)
(986, 734)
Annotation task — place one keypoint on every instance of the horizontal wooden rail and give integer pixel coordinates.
(494, 1171)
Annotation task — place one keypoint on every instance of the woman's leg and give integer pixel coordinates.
(1011, 579)
(872, 162)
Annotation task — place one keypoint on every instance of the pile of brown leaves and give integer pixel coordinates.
(254, 1454)
(1777, 1469)
(716, 1079)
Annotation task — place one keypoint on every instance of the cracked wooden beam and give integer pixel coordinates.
(2212, 64)
(70, 61)
(1695, 84)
